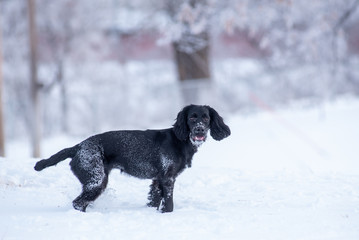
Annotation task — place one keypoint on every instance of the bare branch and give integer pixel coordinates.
(346, 16)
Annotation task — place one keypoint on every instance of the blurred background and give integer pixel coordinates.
(83, 67)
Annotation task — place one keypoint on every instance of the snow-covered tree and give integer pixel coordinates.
(303, 50)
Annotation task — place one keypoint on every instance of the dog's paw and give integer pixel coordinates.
(166, 207)
(79, 206)
(153, 204)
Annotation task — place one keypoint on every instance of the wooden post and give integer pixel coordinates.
(191, 51)
(194, 65)
(2, 134)
(35, 113)
(194, 73)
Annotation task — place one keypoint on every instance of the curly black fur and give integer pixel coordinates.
(160, 155)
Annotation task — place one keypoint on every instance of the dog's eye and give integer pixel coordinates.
(205, 119)
(192, 119)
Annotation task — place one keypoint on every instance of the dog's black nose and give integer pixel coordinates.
(199, 130)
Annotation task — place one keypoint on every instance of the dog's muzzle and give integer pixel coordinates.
(198, 135)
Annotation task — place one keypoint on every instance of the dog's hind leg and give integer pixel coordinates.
(88, 167)
(89, 193)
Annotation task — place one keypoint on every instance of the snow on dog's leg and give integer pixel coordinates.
(89, 194)
(88, 167)
(155, 194)
(167, 203)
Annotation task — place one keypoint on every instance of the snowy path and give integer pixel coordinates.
(209, 204)
(263, 182)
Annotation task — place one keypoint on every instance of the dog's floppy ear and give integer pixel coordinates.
(180, 127)
(219, 129)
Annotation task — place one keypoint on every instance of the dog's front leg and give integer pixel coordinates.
(167, 202)
(155, 195)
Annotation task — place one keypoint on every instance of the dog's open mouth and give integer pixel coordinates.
(199, 138)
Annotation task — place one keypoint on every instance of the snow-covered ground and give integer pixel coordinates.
(291, 174)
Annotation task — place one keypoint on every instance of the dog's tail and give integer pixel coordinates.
(56, 158)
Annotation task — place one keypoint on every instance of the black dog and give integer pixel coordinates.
(160, 155)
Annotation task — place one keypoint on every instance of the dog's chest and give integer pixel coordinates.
(174, 163)
(166, 163)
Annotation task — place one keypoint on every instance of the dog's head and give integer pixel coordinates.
(194, 121)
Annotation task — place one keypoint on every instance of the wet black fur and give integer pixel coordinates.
(160, 155)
